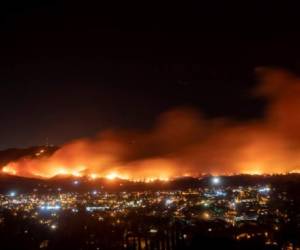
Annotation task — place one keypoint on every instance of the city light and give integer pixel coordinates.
(215, 180)
(228, 204)
(12, 194)
(168, 202)
(264, 190)
(50, 207)
(206, 215)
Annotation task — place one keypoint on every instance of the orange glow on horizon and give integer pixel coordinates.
(253, 172)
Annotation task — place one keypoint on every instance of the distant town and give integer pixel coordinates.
(182, 214)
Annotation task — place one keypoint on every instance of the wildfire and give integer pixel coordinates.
(94, 176)
(184, 143)
(112, 176)
(9, 170)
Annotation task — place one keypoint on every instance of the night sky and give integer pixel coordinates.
(69, 70)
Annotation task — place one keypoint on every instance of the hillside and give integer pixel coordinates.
(14, 154)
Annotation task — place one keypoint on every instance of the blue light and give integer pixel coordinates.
(220, 193)
(12, 194)
(264, 190)
(49, 207)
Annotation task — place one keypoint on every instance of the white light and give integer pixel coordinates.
(49, 207)
(264, 190)
(216, 180)
(94, 192)
(12, 194)
(75, 182)
(168, 202)
(53, 227)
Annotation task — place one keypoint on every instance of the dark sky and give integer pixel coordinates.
(69, 70)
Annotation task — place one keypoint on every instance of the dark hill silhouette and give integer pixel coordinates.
(14, 154)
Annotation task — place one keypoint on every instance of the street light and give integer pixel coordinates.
(12, 194)
(215, 180)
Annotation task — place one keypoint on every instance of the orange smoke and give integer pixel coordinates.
(184, 143)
